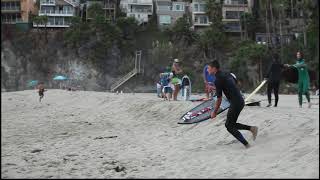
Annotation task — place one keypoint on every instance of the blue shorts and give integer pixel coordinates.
(167, 89)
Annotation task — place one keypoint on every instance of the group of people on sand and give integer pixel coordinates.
(274, 76)
(41, 90)
(219, 82)
(227, 83)
(169, 84)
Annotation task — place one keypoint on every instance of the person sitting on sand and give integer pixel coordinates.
(41, 90)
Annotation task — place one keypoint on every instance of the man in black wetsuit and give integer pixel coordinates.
(273, 76)
(226, 83)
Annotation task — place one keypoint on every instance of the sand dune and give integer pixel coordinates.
(86, 134)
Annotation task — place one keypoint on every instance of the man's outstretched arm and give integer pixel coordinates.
(216, 108)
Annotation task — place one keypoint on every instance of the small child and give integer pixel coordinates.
(166, 85)
(41, 90)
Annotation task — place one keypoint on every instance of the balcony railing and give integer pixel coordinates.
(233, 16)
(141, 11)
(201, 23)
(10, 8)
(46, 2)
(240, 2)
(52, 12)
(232, 28)
(142, 2)
(10, 0)
(53, 24)
(73, 2)
(11, 21)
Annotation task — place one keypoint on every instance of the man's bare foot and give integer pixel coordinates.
(254, 131)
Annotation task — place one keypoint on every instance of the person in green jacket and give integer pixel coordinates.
(303, 80)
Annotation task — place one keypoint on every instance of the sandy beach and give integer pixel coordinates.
(86, 134)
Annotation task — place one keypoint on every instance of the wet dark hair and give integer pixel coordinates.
(215, 64)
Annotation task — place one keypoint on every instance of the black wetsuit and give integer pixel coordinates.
(226, 83)
(274, 75)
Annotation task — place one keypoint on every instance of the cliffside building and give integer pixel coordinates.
(169, 11)
(141, 10)
(59, 12)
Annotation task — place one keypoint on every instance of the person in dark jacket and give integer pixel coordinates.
(274, 77)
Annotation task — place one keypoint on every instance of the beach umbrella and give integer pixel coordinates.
(32, 83)
(60, 78)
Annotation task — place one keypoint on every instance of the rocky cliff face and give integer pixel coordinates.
(28, 56)
(25, 58)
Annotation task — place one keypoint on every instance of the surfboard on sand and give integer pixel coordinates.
(199, 99)
(203, 111)
(255, 91)
(253, 103)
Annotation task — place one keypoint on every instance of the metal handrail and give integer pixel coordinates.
(136, 70)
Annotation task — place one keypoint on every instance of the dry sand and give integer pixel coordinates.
(103, 135)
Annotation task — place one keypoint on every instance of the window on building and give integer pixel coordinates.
(202, 8)
(165, 19)
(196, 7)
(232, 26)
(164, 8)
(203, 20)
(178, 7)
(50, 20)
(233, 14)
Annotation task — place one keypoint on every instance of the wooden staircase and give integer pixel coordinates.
(136, 70)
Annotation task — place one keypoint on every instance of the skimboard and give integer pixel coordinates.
(291, 74)
(203, 111)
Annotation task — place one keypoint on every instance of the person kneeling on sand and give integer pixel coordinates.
(225, 83)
